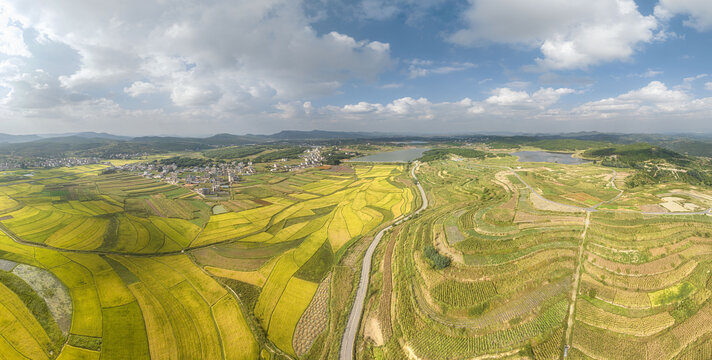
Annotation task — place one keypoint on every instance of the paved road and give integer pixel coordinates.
(348, 341)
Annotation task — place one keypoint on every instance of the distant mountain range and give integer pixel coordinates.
(103, 144)
(219, 139)
(12, 139)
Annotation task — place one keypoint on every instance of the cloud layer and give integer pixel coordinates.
(226, 54)
(570, 34)
(136, 67)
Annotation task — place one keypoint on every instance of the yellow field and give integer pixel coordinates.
(136, 289)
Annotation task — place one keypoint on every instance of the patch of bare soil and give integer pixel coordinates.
(444, 249)
(541, 204)
(527, 218)
(410, 353)
(373, 331)
(652, 208)
(341, 169)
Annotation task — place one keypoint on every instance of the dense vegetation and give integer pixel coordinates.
(234, 152)
(653, 164)
(437, 260)
(444, 153)
(546, 144)
(185, 162)
(634, 154)
(293, 152)
(333, 157)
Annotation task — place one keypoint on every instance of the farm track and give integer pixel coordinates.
(348, 341)
(575, 286)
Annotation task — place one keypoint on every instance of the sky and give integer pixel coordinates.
(195, 68)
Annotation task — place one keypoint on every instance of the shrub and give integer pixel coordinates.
(437, 261)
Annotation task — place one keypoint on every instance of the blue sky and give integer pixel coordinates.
(429, 66)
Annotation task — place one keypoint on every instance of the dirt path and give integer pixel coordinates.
(348, 341)
(575, 286)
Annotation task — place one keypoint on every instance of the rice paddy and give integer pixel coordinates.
(154, 271)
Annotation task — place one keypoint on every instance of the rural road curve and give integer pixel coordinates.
(348, 342)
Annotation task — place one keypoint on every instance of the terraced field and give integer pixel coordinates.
(509, 260)
(528, 273)
(142, 269)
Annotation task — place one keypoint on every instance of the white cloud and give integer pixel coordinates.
(653, 107)
(506, 96)
(256, 53)
(648, 74)
(570, 34)
(698, 12)
(139, 88)
(688, 81)
(421, 68)
(408, 105)
(12, 40)
(708, 86)
(652, 99)
(542, 98)
(362, 107)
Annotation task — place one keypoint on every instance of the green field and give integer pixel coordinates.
(642, 281)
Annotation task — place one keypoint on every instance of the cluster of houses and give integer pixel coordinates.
(205, 180)
(310, 158)
(126, 156)
(215, 179)
(48, 163)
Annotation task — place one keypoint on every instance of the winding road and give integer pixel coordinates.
(352, 325)
(348, 341)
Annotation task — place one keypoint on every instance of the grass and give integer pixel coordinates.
(85, 342)
(672, 294)
(124, 334)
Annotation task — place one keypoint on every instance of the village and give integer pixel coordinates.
(47, 163)
(215, 179)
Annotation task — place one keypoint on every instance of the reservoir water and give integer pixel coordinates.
(393, 156)
(545, 156)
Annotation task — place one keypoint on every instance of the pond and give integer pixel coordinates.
(393, 156)
(545, 156)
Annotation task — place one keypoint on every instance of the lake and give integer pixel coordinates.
(545, 156)
(393, 156)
